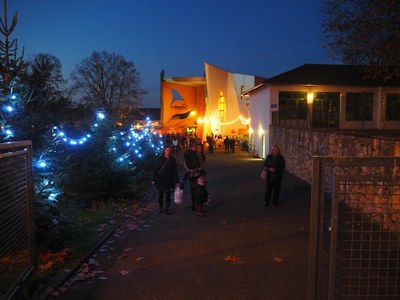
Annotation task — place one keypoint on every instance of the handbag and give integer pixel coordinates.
(161, 169)
(263, 175)
(178, 196)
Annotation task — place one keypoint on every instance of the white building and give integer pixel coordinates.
(328, 97)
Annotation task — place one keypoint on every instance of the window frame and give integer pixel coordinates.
(295, 107)
(360, 106)
(392, 109)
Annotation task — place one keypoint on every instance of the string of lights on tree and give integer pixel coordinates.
(8, 109)
(127, 146)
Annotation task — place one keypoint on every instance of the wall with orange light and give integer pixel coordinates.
(192, 103)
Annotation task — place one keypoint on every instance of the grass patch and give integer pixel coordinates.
(82, 230)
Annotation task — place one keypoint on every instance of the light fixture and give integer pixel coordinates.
(310, 98)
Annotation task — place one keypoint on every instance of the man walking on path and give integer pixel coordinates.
(274, 165)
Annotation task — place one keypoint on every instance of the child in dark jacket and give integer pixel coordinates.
(200, 196)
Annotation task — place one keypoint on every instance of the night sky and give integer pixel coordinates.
(256, 37)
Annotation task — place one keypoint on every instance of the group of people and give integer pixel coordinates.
(229, 144)
(217, 140)
(179, 141)
(166, 178)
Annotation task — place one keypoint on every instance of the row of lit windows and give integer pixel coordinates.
(359, 107)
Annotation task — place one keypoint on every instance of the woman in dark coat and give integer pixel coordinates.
(165, 178)
(201, 157)
(274, 165)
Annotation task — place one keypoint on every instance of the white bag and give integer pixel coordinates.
(178, 196)
(263, 175)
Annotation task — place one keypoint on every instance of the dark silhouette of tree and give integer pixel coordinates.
(44, 74)
(108, 81)
(11, 64)
(364, 32)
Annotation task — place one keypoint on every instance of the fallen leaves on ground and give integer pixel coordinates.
(232, 258)
(49, 259)
(19, 258)
(87, 272)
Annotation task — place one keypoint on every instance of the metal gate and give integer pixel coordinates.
(17, 257)
(355, 228)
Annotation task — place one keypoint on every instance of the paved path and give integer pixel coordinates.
(240, 250)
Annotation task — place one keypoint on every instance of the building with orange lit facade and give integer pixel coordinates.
(206, 105)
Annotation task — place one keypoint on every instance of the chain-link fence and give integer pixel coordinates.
(355, 229)
(16, 216)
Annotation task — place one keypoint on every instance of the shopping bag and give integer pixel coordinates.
(263, 175)
(208, 200)
(178, 196)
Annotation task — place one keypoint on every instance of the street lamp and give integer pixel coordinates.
(310, 100)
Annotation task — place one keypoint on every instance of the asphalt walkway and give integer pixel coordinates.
(240, 250)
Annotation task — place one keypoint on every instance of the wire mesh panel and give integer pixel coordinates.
(368, 240)
(355, 229)
(16, 236)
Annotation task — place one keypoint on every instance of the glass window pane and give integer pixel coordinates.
(393, 107)
(359, 106)
(292, 105)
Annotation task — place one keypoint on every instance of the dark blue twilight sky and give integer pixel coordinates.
(257, 37)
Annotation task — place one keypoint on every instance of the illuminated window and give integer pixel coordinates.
(221, 106)
(325, 110)
(292, 106)
(359, 106)
(393, 107)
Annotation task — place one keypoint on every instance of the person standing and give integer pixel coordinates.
(201, 157)
(210, 141)
(274, 165)
(165, 178)
(227, 144)
(192, 166)
(200, 196)
(175, 144)
(232, 144)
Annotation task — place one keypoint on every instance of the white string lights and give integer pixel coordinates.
(243, 120)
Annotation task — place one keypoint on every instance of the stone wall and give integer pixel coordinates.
(300, 145)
